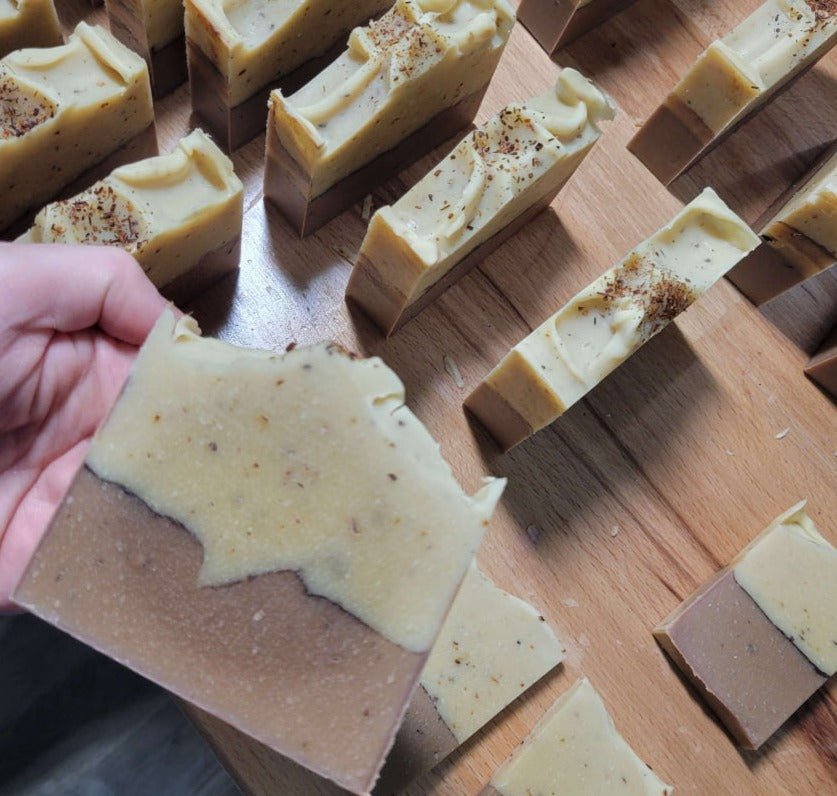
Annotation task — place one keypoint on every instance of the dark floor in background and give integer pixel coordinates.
(74, 723)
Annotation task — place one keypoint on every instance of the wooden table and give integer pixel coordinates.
(641, 491)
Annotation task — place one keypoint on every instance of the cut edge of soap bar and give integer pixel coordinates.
(679, 630)
(822, 367)
(556, 23)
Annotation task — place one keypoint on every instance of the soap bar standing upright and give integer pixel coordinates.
(28, 23)
(734, 77)
(222, 541)
(406, 83)
(497, 178)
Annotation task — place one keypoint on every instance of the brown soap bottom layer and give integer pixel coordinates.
(166, 65)
(502, 420)
(141, 146)
(387, 306)
(490, 790)
(822, 367)
(292, 670)
(283, 177)
(556, 23)
(211, 268)
(750, 674)
(422, 742)
(233, 126)
(671, 140)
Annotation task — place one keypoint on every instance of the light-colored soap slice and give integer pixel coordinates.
(64, 110)
(497, 178)
(732, 78)
(420, 58)
(28, 23)
(790, 571)
(178, 214)
(799, 232)
(275, 538)
(598, 329)
(252, 43)
(576, 750)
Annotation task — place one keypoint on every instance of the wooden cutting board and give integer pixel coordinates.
(640, 492)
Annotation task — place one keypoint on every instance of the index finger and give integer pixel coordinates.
(70, 288)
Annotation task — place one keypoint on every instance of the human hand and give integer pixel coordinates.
(71, 321)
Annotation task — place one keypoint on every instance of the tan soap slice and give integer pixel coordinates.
(790, 572)
(732, 78)
(576, 750)
(154, 30)
(275, 538)
(64, 110)
(598, 329)
(250, 44)
(492, 647)
(498, 177)
(28, 23)
(178, 214)
(731, 637)
(799, 234)
(421, 59)
(556, 23)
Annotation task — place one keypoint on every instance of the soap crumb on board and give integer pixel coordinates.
(783, 433)
(534, 533)
(453, 371)
(614, 531)
(570, 602)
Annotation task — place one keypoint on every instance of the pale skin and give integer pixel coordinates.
(71, 321)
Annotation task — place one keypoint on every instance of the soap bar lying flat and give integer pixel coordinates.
(178, 214)
(28, 23)
(575, 750)
(822, 367)
(222, 540)
(598, 329)
(238, 51)
(556, 23)
(799, 234)
(405, 84)
(759, 638)
(64, 110)
(498, 177)
(731, 79)
(492, 647)
(154, 30)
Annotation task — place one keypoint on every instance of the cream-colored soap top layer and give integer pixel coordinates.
(492, 647)
(139, 203)
(28, 23)
(813, 209)
(471, 194)
(308, 461)
(37, 85)
(253, 42)
(606, 322)
(163, 20)
(790, 571)
(421, 57)
(575, 750)
(754, 57)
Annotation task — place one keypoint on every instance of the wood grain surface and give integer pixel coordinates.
(641, 491)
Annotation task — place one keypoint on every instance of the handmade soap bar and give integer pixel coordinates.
(731, 79)
(799, 234)
(28, 23)
(555, 23)
(499, 177)
(598, 329)
(492, 647)
(576, 750)
(239, 50)
(222, 540)
(64, 110)
(178, 214)
(822, 367)
(405, 84)
(154, 30)
(759, 638)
